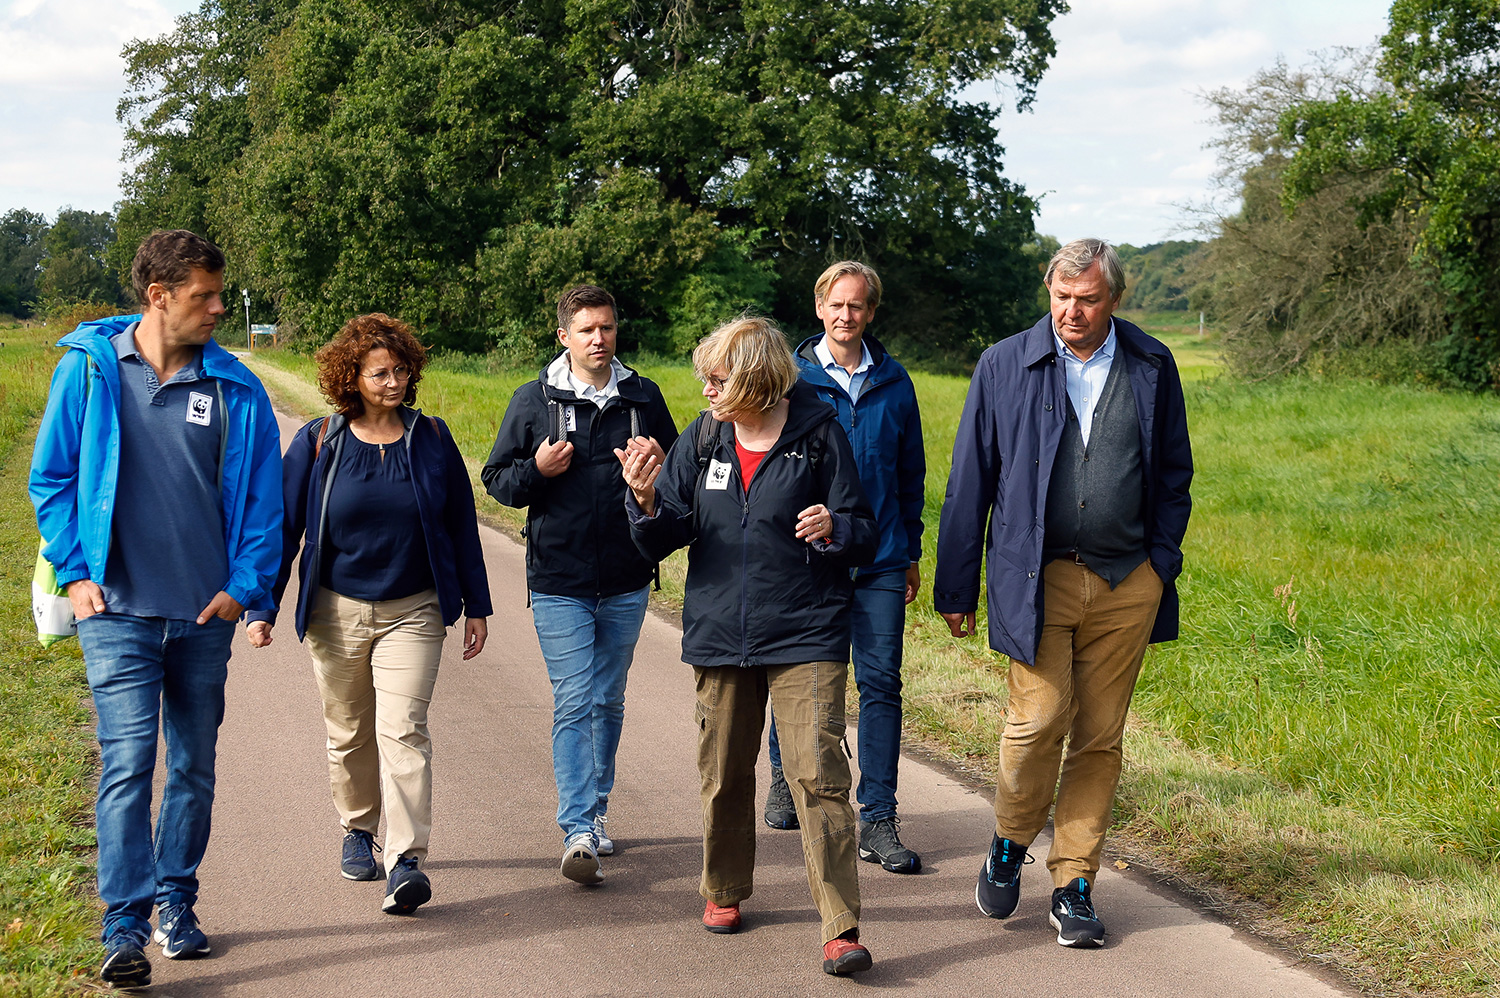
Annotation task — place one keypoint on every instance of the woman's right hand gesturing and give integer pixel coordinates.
(640, 463)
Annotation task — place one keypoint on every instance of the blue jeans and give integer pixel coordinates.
(878, 629)
(588, 643)
(142, 670)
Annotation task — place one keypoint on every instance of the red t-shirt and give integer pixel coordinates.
(749, 461)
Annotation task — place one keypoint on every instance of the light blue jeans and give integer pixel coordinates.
(141, 671)
(588, 643)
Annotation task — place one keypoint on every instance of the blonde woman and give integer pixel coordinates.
(763, 490)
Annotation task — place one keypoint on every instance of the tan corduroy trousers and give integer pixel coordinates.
(731, 713)
(1093, 640)
(376, 665)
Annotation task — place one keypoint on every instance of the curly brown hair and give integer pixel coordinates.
(340, 359)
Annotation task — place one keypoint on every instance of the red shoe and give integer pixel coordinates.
(721, 920)
(845, 956)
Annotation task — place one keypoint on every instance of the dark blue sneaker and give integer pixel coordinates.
(1073, 915)
(358, 861)
(407, 889)
(125, 964)
(177, 931)
(999, 887)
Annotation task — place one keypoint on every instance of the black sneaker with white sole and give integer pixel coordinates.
(125, 964)
(781, 812)
(999, 887)
(1073, 915)
(406, 889)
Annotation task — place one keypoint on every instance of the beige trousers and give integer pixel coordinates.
(376, 664)
(1093, 641)
(731, 713)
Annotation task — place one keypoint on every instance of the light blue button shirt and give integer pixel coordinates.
(1086, 377)
(851, 383)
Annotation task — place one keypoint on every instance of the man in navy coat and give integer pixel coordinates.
(1073, 450)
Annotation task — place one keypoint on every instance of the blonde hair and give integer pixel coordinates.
(845, 268)
(757, 363)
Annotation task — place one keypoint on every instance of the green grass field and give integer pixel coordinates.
(1323, 739)
(47, 758)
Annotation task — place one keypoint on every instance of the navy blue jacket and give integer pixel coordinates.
(445, 502)
(885, 430)
(1002, 461)
(755, 594)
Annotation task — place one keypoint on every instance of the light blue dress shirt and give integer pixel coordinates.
(1086, 377)
(851, 383)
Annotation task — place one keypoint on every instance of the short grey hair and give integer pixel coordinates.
(1079, 255)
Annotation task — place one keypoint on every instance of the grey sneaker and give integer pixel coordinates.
(780, 811)
(606, 845)
(580, 859)
(880, 843)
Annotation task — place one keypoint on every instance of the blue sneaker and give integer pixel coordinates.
(177, 931)
(358, 862)
(1073, 915)
(407, 889)
(999, 887)
(125, 964)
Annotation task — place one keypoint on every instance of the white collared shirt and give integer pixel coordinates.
(588, 393)
(851, 383)
(1086, 378)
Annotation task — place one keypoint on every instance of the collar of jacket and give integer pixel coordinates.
(880, 371)
(93, 338)
(1039, 346)
(554, 381)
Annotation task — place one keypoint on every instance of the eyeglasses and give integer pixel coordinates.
(716, 383)
(399, 376)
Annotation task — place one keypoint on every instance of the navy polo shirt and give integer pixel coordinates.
(167, 556)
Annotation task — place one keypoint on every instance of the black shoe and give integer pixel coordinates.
(1073, 915)
(999, 887)
(125, 964)
(407, 889)
(358, 862)
(879, 843)
(780, 811)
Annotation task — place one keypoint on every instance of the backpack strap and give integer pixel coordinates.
(557, 422)
(322, 432)
(708, 437)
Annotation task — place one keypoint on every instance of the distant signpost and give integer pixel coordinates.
(258, 331)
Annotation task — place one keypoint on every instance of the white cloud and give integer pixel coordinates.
(61, 76)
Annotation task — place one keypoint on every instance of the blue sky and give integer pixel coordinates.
(1114, 143)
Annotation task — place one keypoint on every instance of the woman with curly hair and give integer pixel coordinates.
(390, 559)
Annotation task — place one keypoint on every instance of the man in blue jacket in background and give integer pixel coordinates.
(876, 405)
(157, 485)
(1073, 450)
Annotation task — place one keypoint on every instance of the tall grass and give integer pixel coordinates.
(49, 917)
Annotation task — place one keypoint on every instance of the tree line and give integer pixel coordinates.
(460, 163)
(45, 265)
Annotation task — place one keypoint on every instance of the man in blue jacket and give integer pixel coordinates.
(1073, 450)
(876, 405)
(157, 485)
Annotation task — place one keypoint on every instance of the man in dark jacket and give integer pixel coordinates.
(1073, 448)
(589, 584)
(876, 405)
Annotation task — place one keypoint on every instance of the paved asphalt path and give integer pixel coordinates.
(503, 921)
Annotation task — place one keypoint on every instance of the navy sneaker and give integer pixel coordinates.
(879, 843)
(999, 887)
(780, 811)
(1073, 915)
(407, 888)
(125, 964)
(177, 931)
(358, 861)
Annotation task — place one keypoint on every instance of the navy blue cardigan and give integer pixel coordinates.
(1002, 463)
(445, 501)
